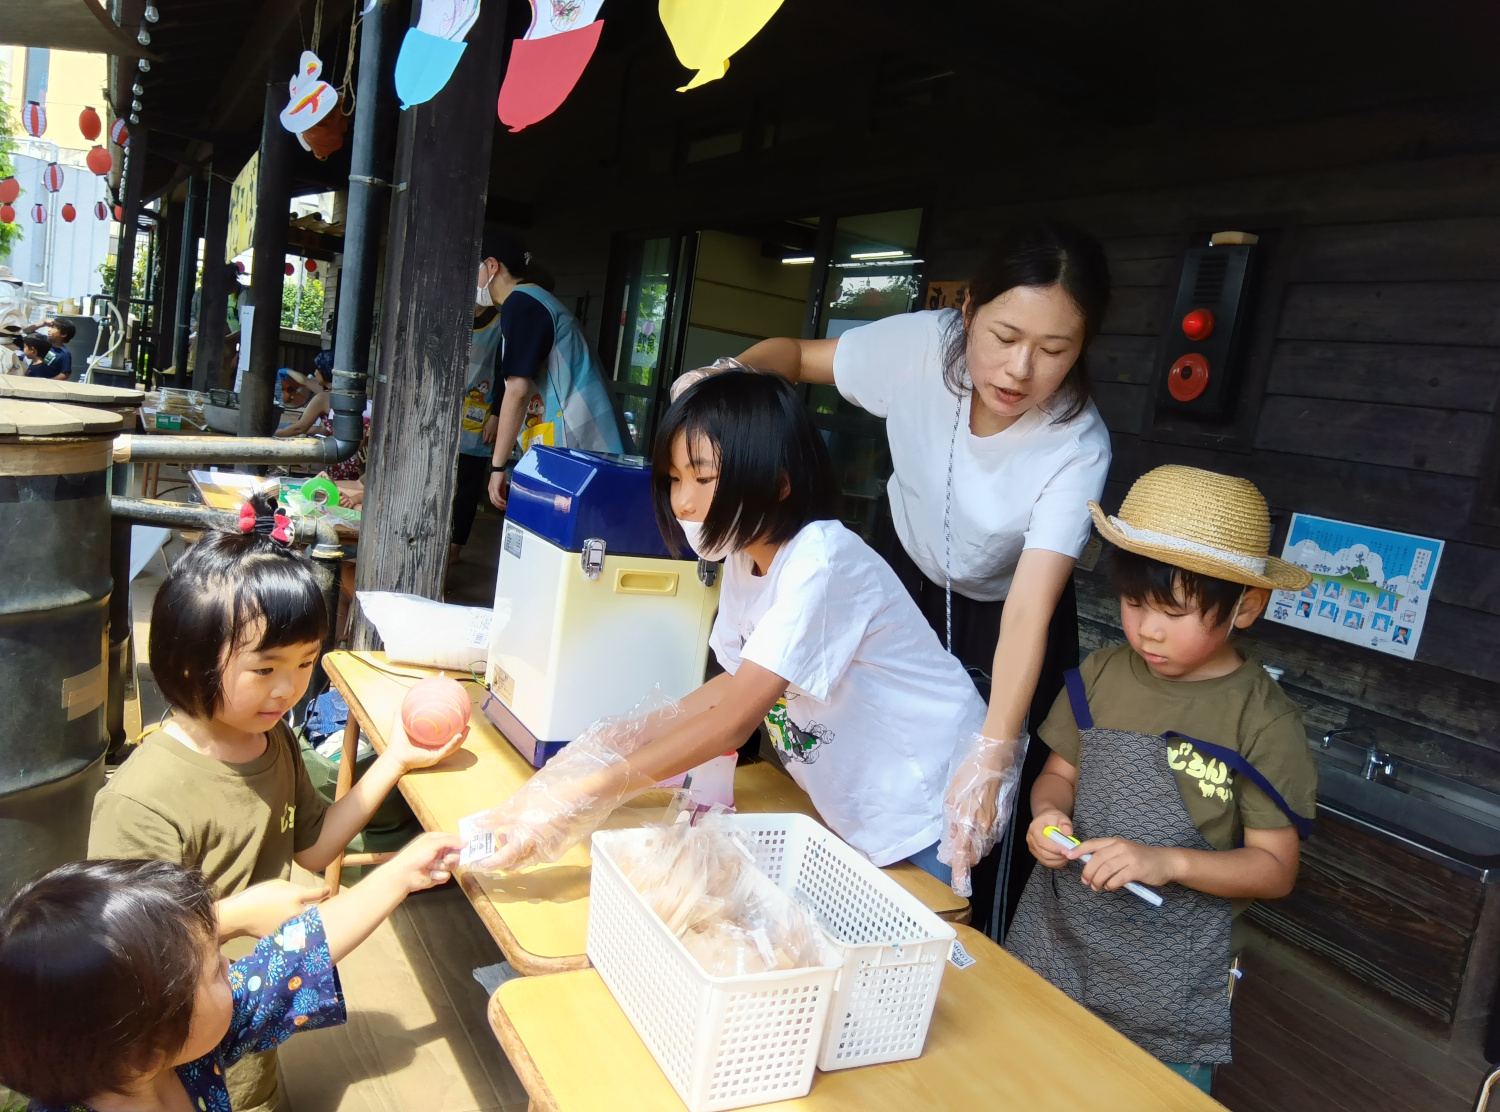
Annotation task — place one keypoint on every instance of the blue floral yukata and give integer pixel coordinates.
(288, 984)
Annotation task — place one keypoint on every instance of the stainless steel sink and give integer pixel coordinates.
(1464, 838)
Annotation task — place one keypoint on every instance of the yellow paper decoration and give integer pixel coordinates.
(706, 32)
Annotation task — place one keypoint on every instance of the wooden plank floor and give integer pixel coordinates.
(1307, 1039)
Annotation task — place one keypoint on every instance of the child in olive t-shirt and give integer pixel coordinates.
(1177, 765)
(220, 786)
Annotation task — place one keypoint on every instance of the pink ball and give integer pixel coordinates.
(434, 710)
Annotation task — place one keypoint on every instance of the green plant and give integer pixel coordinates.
(106, 271)
(10, 234)
(307, 314)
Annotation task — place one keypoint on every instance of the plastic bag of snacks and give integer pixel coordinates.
(170, 409)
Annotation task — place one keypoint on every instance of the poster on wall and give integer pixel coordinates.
(1370, 586)
(242, 198)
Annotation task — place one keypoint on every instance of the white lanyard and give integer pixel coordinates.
(948, 526)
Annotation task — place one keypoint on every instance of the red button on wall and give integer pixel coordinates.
(1198, 325)
(1188, 377)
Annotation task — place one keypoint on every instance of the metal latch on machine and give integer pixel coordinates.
(707, 572)
(592, 558)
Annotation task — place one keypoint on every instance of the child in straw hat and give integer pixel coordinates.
(1179, 766)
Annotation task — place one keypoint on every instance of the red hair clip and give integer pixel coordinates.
(282, 531)
(247, 518)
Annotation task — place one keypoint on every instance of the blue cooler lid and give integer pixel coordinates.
(568, 496)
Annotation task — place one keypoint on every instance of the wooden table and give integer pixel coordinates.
(540, 917)
(1001, 1039)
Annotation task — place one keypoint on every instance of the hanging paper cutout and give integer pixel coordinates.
(52, 177)
(100, 161)
(101, 210)
(39, 214)
(119, 134)
(10, 189)
(34, 119)
(431, 50)
(548, 60)
(311, 98)
(68, 213)
(88, 123)
(706, 32)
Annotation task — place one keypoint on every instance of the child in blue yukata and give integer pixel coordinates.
(114, 996)
(1178, 765)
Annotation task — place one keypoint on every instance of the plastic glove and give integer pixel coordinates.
(981, 800)
(568, 799)
(687, 378)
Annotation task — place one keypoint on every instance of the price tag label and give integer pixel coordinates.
(478, 848)
(959, 957)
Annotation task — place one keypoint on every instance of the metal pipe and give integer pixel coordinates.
(319, 533)
(327, 555)
(237, 449)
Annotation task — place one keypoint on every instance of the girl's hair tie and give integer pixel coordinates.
(275, 525)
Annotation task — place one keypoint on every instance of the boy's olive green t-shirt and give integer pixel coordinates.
(1245, 711)
(239, 823)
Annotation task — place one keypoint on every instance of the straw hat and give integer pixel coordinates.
(1201, 521)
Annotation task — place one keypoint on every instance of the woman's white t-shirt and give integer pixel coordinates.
(874, 706)
(1026, 487)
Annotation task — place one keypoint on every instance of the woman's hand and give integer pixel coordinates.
(1117, 861)
(260, 909)
(499, 482)
(1043, 848)
(979, 803)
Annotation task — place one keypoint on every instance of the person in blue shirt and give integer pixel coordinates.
(36, 349)
(548, 387)
(114, 996)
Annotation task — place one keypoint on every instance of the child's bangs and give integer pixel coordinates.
(1140, 579)
(275, 597)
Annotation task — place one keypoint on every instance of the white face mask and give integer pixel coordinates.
(482, 296)
(693, 530)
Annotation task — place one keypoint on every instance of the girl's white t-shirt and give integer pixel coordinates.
(1026, 487)
(874, 706)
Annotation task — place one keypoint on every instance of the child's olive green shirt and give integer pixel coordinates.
(239, 823)
(1245, 711)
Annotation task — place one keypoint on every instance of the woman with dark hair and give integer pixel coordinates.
(997, 451)
(814, 633)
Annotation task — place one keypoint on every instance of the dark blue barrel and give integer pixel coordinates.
(54, 614)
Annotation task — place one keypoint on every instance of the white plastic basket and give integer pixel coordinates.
(723, 1042)
(894, 948)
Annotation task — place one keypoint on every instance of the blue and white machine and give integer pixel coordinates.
(591, 610)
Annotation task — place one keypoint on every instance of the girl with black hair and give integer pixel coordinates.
(996, 450)
(220, 786)
(815, 636)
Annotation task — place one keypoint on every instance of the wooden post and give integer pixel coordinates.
(187, 275)
(170, 235)
(427, 323)
(130, 207)
(212, 323)
(272, 206)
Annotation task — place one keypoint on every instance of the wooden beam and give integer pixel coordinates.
(212, 322)
(441, 176)
(272, 201)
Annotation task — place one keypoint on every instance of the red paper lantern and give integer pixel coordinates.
(68, 212)
(88, 123)
(100, 161)
(119, 214)
(290, 270)
(7, 214)
(10, 189)
(101, 210)
(119, 134)
(52, 177)
(310, 266)
(34, 119)
(39, 214)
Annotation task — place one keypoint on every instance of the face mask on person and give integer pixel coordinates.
(693, 530)
(482, 296)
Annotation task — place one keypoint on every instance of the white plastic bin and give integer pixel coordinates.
(894, 948)
(723, 1042)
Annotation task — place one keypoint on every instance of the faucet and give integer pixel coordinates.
(1378, 765)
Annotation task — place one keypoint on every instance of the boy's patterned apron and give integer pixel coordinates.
(1158, 975)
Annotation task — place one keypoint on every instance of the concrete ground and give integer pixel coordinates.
(417, 1036)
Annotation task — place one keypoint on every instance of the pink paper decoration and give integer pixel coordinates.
(542, 72)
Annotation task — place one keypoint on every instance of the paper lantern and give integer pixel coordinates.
(101, 210)
(10, 189)
(7, 214)
(290, 270)
(100, 161)
(119, 134)
(39, 214)
(119, 214)
(34, 119)
(88, 123)
(68, 213)
(52, 177)
(434, 710)
(311, 266)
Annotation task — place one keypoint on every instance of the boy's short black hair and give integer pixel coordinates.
(214, 596)
(1138, 578)
(65, 328)
(99, 967)
(764, 438)
(37, 343)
